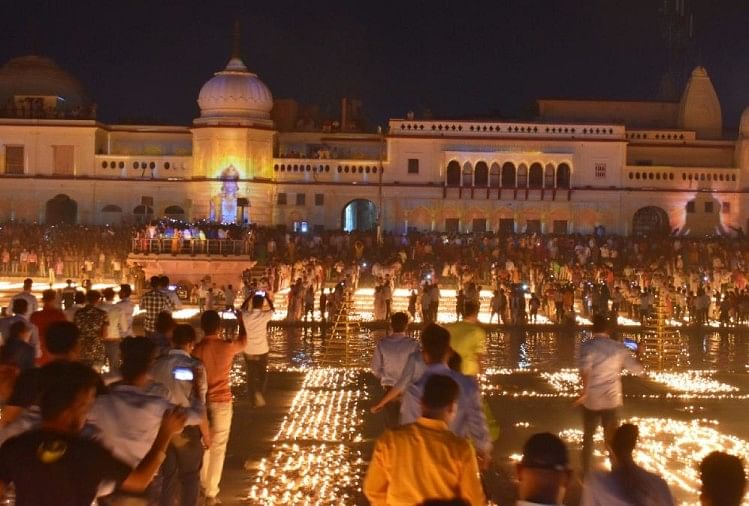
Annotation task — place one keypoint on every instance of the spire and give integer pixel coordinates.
(235, 63)
(236, 46)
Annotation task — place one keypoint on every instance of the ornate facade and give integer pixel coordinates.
(626, 167)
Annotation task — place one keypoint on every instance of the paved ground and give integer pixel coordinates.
(252, 433)
(518, 418)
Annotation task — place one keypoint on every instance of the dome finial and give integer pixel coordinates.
(236, 51)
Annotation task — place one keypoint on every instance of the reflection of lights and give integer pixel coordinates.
(565, 381)
(315, 459)
(673, 449)
(692, 382)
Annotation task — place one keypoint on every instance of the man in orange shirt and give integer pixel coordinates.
(447, 468)
(49, 313)
(217, 356)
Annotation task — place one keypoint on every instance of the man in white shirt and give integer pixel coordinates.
(128, 309)
(116, 330)
(389, 361)
(255, 323)
(30, 298)
(543, 472)
(601, 363)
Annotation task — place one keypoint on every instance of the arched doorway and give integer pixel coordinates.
(142, 214)
(563, 176)
(481, 176)
(359, 215)
(650, 221)
(111, 215)
(174, 213)
(536, 176)
(453, 174)
(61, 210)
(508, 175)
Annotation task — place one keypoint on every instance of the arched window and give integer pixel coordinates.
(495, 175)
(508, 175)
(522, 176)
(467, 174)
(142, 213)
(549, 176)
(453, 174)
(174, 212)
(111, 208)
(481, 178)
(536, 176)
(563, 176)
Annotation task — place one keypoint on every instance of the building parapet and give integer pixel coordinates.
(326, 170)
(680, 177)
(661, 136)
(131, 166)
(463, 128)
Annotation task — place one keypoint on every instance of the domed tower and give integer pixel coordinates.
(35, 86)
(233, 144)
(235, 96)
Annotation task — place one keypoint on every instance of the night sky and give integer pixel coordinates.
(148, 59)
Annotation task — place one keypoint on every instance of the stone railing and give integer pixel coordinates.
(505, 129)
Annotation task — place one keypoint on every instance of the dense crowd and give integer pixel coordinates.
(433, 407)
(91, 412)
(530, 277)
(560, 277)
(57, 252)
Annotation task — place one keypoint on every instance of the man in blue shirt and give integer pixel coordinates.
(470, 420)
(389, 360)
(129, 415)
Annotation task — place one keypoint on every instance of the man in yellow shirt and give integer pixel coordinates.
(425, 460)
(468, 339)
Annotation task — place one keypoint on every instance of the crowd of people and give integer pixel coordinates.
(433, 408)
(528, 275)
(57, 252)
(560, 277)
(177, 237)
(98, 410)
(93, 411)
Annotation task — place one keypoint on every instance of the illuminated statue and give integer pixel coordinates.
(224, 205)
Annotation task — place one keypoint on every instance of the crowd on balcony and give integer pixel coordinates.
(177, 237)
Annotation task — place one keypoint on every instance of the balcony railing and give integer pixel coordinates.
(167, 246)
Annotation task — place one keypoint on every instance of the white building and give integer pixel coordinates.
(624, 166)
